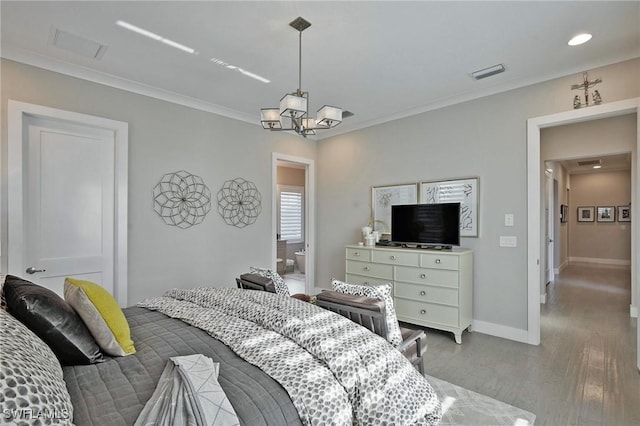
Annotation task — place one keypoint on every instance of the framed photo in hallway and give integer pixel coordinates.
(624, 213)
(586, 214)
(564, 213)
(606, 214)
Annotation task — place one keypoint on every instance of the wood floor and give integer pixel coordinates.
(583, 373)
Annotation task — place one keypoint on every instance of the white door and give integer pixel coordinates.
(67, 198)
(549, 208)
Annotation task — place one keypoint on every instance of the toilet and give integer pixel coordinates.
(300, 260)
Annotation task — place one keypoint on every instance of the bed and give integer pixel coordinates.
(282, 361)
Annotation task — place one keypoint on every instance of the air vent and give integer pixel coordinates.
(488, 72)
(589, 163)
(76, 44)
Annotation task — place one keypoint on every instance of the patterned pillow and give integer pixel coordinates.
(31, 379)
(382, 292)
(278, 282)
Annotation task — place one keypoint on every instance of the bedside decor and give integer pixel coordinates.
(463, 191)
(239, 202)
(624, 213)
(383, 197)
(181, 199)
(586, 214)
(606, 214)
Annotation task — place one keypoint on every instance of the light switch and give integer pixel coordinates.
(508, 219)
(508, 241)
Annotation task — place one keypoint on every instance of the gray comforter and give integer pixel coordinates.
(114, 392)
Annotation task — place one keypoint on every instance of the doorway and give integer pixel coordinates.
(67, 198)
(293, 229)
(535, 202)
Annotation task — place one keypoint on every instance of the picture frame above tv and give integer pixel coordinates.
(463, 191)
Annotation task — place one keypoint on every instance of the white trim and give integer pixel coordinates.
(543, 298)
(562, 267)
(16, 246)
(633, 311)
(534, 249)
(502, 331)
(599, 261)
(309, 214)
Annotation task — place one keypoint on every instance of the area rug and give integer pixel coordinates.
(461, 406)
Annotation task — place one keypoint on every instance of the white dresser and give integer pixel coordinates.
(431, 288)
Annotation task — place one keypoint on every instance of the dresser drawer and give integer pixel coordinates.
(396, 257)
(370, 269)
(439, 261)
(439, 277)
(424, 293)
(361, 254)
(364, 280)
(422, 312)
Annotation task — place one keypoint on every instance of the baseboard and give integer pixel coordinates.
(633, 311)
(543, 298)
(617, 262)
(562, 266)
(502, 331)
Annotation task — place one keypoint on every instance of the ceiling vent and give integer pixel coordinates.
(589, 163)
(76, 44)
(488, 72)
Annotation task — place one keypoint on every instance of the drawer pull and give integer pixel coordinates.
(366, 268)
(423, 293)
(423, 312)
(393, 257)
(356, 254)
(438, 261)
(423, 276)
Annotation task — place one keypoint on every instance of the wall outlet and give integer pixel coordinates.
(508, 241)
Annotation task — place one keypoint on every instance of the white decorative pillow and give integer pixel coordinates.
(278, 282)
(382, 292)
(31, 381)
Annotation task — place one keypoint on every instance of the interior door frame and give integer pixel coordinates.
(17, 138)
(309, 213)
(534, 195)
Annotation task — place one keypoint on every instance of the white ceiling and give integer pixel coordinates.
(380, 60)
(607, 163)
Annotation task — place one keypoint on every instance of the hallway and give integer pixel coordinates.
(583, 373)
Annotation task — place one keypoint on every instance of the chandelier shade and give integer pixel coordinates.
(270, 118)
(295, 107)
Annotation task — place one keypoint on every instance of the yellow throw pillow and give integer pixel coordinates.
(102, 315)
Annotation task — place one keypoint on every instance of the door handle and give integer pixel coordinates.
(32, 270)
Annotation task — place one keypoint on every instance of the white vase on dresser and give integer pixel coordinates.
(431, 288)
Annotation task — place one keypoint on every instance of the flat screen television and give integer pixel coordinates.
(426, 225)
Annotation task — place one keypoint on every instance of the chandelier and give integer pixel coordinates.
(294, 107)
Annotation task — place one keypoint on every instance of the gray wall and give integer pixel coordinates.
(600, 242)
(485, 138)
(165, 137)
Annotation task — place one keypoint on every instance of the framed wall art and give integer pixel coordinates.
(383, 197)
(606, 213)
(624, 213)
(586, 214)
(463, 191)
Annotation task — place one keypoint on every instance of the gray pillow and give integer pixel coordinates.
(278, 282)
(31, 378)
(53, 320)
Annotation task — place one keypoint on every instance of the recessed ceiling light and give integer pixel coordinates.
(155, 37)
(597, 167)
(580, 39)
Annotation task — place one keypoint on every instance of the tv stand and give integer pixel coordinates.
(431, 288)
